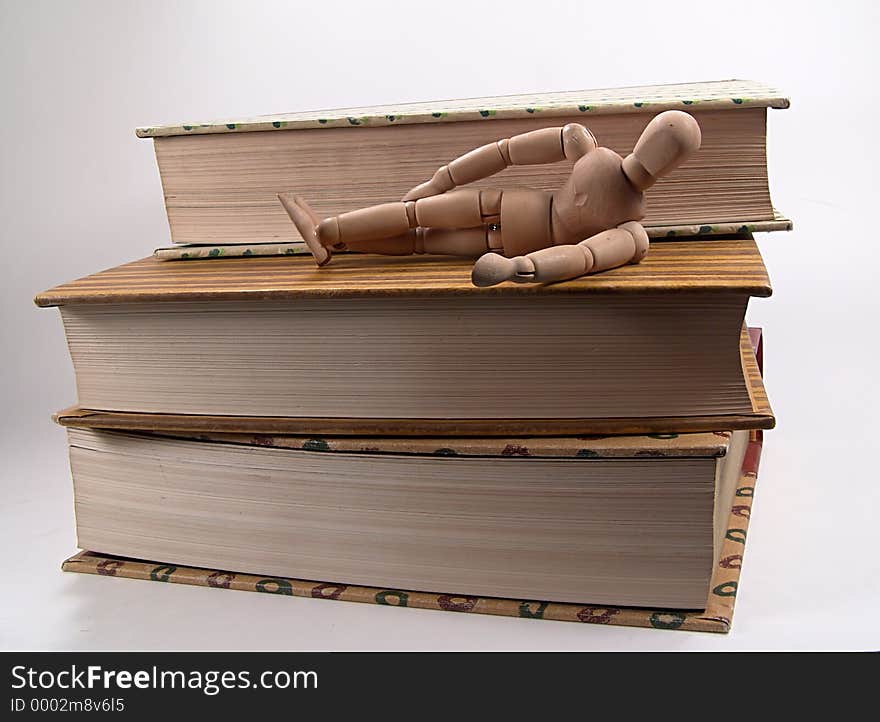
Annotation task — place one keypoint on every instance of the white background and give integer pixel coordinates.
(80, 193)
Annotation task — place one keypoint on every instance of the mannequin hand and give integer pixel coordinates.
(423, 190)
(492, 268)
(439, 183)
(577, 141)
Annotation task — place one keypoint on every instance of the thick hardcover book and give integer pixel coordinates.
(715, 615)
(220, 179)
(408, 346)
(559, 521)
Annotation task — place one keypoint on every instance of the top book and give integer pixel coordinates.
(221, 178)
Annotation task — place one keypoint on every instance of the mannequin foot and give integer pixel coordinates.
(306, 223)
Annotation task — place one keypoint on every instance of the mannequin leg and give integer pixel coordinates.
(400, 228)
(470, 242)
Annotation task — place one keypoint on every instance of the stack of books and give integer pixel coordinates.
(381, 430)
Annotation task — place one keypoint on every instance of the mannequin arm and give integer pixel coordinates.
(548, 145)
(628, 243)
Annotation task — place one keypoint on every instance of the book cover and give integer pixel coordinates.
(724, 265)
(723, 94)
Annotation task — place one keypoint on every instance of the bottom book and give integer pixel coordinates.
(715, 615)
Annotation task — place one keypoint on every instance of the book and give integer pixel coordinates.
(409, 346)
(716, 615)
(621, 521)
(220, 179)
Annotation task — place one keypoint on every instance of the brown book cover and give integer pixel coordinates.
(716, 617)
(730, 265)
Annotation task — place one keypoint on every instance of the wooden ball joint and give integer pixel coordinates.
(588, 225)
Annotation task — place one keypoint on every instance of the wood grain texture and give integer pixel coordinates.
(724, 265)
(752, 370)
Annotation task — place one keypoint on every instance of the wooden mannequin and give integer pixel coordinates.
(588, 225)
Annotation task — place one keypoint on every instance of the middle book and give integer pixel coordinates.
(409, 347)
